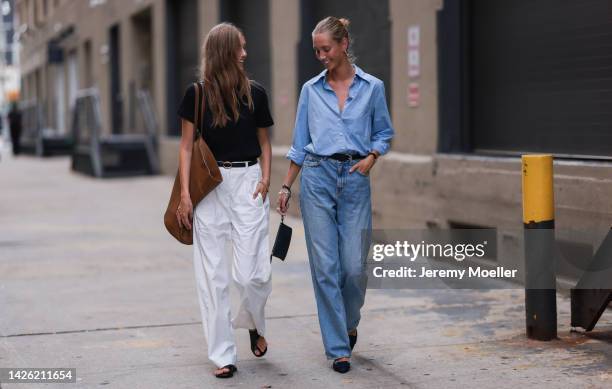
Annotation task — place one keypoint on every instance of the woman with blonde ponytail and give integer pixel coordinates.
(341, 128)
(235, 127)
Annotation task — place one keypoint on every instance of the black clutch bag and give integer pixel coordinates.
(281, 243)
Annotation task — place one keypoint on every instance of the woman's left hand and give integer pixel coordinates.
(364, 165)
(261, 188)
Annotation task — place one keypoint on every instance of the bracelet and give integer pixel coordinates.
(285, 190)
(373, 154)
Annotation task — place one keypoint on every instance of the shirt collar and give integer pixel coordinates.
(358, 73)
(361, 74)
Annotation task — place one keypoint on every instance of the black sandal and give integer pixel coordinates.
(353, 340)
(227, 374)
(341, 366)
(254, 338)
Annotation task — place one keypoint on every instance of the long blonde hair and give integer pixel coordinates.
(225, 82)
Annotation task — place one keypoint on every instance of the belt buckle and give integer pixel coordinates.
(227, 165)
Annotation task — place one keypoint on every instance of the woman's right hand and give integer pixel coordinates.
(184, 212)
(282, 204)
(284, 195)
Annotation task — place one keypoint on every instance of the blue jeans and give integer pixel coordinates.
(337, 213)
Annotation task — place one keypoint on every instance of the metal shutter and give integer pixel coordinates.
(540, 76)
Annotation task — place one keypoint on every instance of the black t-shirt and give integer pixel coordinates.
(237, 141)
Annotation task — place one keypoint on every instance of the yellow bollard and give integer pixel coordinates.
(538, 196)
(539, 214)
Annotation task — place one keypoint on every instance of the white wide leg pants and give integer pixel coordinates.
(229, 213)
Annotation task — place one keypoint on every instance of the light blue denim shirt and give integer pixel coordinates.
(362, 126)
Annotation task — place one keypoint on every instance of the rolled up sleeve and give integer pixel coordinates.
(301, 133)
(382, 129)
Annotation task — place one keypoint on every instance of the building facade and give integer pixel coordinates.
(9, 59)
(471, 84)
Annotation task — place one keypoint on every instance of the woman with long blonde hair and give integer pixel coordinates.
(235, 127)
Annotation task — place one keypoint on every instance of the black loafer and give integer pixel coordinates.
(341, 366)
(353, 340)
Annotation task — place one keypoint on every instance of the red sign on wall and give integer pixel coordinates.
(414, 94)
(414, 65)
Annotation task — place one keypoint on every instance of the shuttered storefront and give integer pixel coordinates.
(534, 76)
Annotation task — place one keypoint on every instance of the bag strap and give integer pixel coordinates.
(199, 109)
(196, 108)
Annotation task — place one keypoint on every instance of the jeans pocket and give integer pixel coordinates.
(311, 161)
(367, 175)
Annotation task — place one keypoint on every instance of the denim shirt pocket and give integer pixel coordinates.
(361, 127)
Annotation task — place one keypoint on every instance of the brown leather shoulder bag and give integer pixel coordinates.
(204, 174)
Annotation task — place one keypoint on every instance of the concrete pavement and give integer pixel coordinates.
(90, 279)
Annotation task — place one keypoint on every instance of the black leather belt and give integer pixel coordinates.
(346, 157)
(231, 164)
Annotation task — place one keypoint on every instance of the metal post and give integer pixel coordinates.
(539, 224)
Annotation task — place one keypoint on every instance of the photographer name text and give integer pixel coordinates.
(424, 272)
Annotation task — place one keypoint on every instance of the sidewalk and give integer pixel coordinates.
(90, 279)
